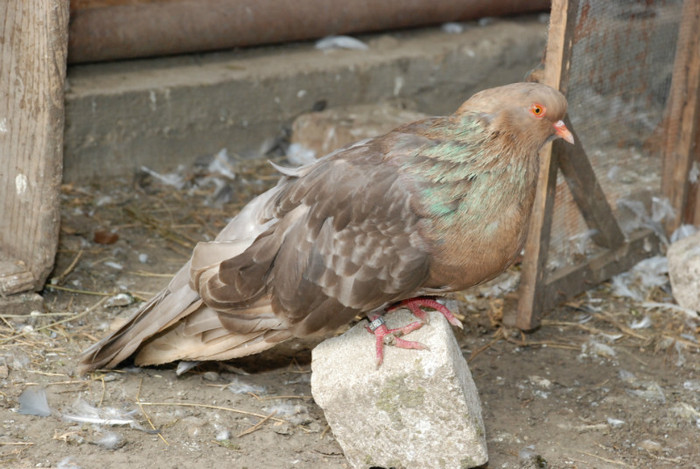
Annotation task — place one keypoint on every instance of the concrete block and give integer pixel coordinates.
(325, 131)
(419, 409)
(684, 271)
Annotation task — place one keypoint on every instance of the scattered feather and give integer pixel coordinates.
(680, 361)
(221, 165)
(692, 385)
(174, 179)
(661, 209)
(86, 413)
(613, 173)
(504, 283)
(238, 386)
(299, 155)
(593, 347)
(690, 313)
(285, 408)
(67, 463)
(610, 337)
(683, 231)
(639, 217)
(540, 381)
(185, 366)
(103, 200)
(582, 240)
(340, 42)
(33, 401)
(615, 423)
(627, 377)
(687, 412)
(647, 274)
(114, 265)
(650, 391)
(641, 324)
(621, 287)
(120, 299)
(111, 440)
(452, 28)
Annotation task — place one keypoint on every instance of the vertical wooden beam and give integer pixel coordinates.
(532, 279)
(32, 74)
(682, 118)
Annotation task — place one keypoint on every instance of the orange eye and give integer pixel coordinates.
(537, 110)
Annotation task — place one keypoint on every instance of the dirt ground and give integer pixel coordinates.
(606, 382)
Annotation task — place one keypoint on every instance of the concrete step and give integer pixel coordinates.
(164, 112)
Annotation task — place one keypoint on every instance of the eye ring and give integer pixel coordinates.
(538, 110)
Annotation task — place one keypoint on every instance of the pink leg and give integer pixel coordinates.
(415, 305)
(385, 335)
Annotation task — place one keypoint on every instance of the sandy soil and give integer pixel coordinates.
(597, 386)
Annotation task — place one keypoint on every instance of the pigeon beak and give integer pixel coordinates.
(561, 131)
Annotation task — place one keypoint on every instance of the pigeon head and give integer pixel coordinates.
(527, 114)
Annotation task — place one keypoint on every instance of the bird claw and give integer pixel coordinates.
(392, 337)
(386, 336)
(415, 305)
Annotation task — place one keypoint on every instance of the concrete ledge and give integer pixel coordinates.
(165, 112)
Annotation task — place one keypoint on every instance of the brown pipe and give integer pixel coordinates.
(120, 29)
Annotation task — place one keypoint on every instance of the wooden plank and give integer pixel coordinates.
(682, 115)
(532, 278)
(532, 274)
(32, 75)
(586, 191)
(570, 281)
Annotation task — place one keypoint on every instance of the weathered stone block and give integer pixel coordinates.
(325, 131)
(684, 271)
(419, 409)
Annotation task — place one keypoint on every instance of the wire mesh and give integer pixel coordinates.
(618, 87)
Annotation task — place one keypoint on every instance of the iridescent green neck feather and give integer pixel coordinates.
(471, 172)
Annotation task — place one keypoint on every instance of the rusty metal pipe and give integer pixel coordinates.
(121, 29)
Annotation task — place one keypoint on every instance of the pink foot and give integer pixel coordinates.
(385, 335)
(415, 305)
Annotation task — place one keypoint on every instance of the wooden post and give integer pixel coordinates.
(32, 74)
(682, 146)
(532, 275)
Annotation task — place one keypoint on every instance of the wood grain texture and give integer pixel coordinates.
(32, 75)
(683, 120)
(531, 294)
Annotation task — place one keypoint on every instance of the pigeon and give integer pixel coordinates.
(432, 207)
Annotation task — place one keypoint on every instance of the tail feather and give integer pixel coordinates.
(165, 316)
(159, 313)
(176, 344)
